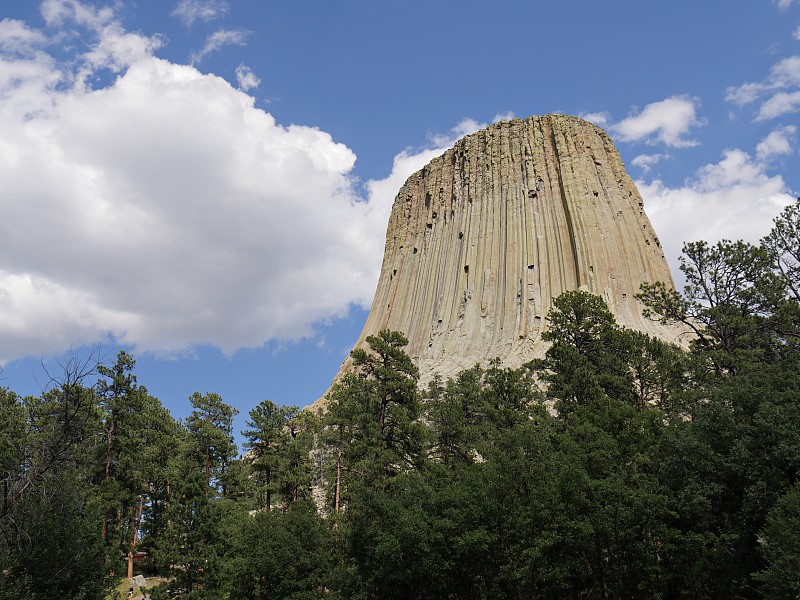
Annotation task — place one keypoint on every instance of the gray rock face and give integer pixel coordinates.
(483, 238)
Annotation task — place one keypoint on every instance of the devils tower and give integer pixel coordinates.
(482, 239)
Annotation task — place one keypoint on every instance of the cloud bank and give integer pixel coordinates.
(734, 198)
(165, 210)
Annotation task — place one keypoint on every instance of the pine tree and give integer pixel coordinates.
(210, 428)
(372, 423)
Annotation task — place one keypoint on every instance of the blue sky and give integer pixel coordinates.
(206, 183)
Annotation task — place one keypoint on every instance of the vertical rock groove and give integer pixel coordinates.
(482, 239)
(567, 216)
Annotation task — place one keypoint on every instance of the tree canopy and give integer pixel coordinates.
(617, 466)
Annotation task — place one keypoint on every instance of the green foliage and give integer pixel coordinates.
(783, 244)
(210, 437)
(50, 524)
(779, 543)
(615, 467)
(276, 555)
(372, 427)
(191, 544)
(457, 416)
(585, 361)
(658, 372)
(592, 360)
(53, 547)
(469, 414)
(580, 320)
(13, 426)
(730, 302)
(279, 443)
(122, 473)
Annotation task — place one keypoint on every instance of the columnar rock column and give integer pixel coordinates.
(483, 238)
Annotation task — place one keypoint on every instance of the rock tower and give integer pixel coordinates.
(483, 238)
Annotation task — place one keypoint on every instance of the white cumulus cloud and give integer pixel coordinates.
(58, 12)
(647, 161)
(17, 37)
(166, 210)
(504, 116)
(462, 128)
(190, 11)
(778, 94)
(466, 126)
(778, 105)
(601, 119)
(246, 79)
(218, 39)
(732, 199)
(117, 49)
(668, 121)
(776, 143)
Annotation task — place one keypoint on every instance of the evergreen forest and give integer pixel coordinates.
(617, 466)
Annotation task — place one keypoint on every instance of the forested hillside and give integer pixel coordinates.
(616, 467)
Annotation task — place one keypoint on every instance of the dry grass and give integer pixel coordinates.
(121, 591)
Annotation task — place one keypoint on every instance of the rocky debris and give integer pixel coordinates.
(482, 239)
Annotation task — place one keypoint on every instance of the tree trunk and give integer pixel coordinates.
(137, 518)
(166, 503)
(130, 564)
(269, 489)
(338, 481)
(208, 469)
(109, 443)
